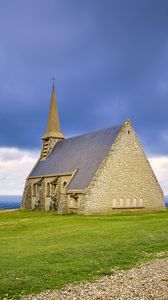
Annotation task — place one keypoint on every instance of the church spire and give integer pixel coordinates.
(53, 128)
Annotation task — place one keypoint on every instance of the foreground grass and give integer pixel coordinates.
(40, 251)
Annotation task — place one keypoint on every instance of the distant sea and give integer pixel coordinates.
(9, 202)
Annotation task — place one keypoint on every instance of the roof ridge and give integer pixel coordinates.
(92, 132)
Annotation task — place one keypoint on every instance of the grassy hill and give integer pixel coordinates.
(40, 251)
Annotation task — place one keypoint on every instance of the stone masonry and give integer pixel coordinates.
(125, 180)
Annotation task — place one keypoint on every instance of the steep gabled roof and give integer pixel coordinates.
(84, 152)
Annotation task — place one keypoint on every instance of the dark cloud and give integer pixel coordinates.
(109, 58)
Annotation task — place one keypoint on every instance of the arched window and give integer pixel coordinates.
(34, 190)
(121, 202)
(48, 189)
(118, 203)
(114, 203)
(132, 202)
(53, 187)
(128, 202)
(141, 202)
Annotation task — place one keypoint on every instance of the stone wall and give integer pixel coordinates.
(34, 194)
(63, 200)
(76, 203)
(125, 179)
(27, 196)
(41, 194)
(48, 193)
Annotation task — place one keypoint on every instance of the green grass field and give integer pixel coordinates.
(40, 251)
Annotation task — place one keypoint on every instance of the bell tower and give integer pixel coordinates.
(53, 132)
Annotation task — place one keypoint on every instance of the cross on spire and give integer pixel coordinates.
(53, 80)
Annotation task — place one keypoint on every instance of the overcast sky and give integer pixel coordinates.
(110, 62)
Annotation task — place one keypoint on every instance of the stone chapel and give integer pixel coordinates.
(95, 173)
